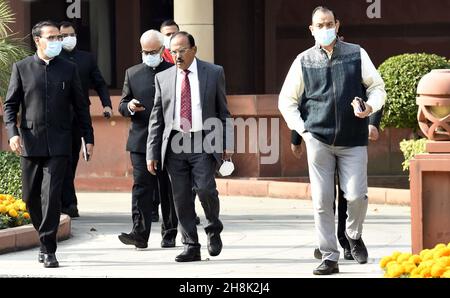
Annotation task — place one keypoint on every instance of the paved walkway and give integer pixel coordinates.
(262, 238)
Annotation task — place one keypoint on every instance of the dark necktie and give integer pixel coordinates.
(186, 110)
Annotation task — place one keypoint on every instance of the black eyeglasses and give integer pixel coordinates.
(53, 37)
(64, 35)
(154, 52)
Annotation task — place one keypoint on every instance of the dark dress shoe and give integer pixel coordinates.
(190, 254)
(327, 267)
(41, 257)
(317, 254)
(165, 243)
(131, 239)
(214, 244)
(348, 254)
(50, 261)
(197, 220)
(358, 250)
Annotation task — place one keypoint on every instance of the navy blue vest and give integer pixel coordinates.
(330, 87)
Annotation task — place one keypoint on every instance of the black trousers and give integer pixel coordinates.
(69, 196)
(342, 216)
(42, 183)
(144, 186)
(193, 172)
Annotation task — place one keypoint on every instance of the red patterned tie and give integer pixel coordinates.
(186, 110)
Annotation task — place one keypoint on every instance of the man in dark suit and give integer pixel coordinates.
(190, 99)
(46, 89)
(90, 78)
(297, 150)
(137, 103)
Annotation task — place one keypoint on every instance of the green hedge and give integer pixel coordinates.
(401, 75)
(10, 174)
(410, 148)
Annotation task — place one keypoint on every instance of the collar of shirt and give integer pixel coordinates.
(192, 68)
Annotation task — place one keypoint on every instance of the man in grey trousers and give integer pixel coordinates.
(318, 100)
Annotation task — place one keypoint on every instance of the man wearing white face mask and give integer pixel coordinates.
(319, 101)
(137, 103)
(90, 78)
(168, 28)
(45, 88)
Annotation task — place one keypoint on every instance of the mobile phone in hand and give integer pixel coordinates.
(138, 104)
(361, 104)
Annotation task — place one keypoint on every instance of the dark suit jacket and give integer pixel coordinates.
(90, 75)
(213, 101)
(139, 84)
(47, 95)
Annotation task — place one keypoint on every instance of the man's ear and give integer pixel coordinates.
(338, 24)
(311, 29)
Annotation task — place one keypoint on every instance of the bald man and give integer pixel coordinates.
(137, 103)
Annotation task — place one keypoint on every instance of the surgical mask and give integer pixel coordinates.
(325, 37)
(53, 49)
(151, 60)
(167, 42)
(227, 168)
(69, 43)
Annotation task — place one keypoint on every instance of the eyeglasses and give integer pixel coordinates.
(53, 37)
(64, 35)
(151, 52)
(180, 52)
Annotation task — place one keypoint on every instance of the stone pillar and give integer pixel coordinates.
(430, 173)
(197, 18)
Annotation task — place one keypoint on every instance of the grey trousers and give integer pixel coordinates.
(351, 164)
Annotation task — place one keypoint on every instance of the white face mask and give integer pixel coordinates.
(227, 168)
(69, 43)
(325, 37)
(167, 42)
(151, 60)
(53, 49)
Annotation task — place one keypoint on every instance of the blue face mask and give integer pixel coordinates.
(325, 37)
(151, 60)
(53, 49)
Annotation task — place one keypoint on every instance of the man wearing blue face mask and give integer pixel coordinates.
(137, 103)
(319, 100)
(46, 89)
(91, 77)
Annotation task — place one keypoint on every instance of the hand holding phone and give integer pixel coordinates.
(361, 104)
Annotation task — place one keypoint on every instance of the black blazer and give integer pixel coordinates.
(47, 96)
(90, 75)
(139, 84)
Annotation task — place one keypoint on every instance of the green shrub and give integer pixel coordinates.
(10, 174)
(401, 75)
(410, 148)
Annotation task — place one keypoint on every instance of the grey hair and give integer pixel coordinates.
(150, 34)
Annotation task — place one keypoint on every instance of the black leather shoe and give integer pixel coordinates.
(155, 217)
(130, 239)
(190, 254)
(50, 261)
(327, 267)
(214, 244)
(72, 211)
(41, 257)
(197, 220)
(348, 254)
(358, 250)
(165, 243)
(317, 254)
